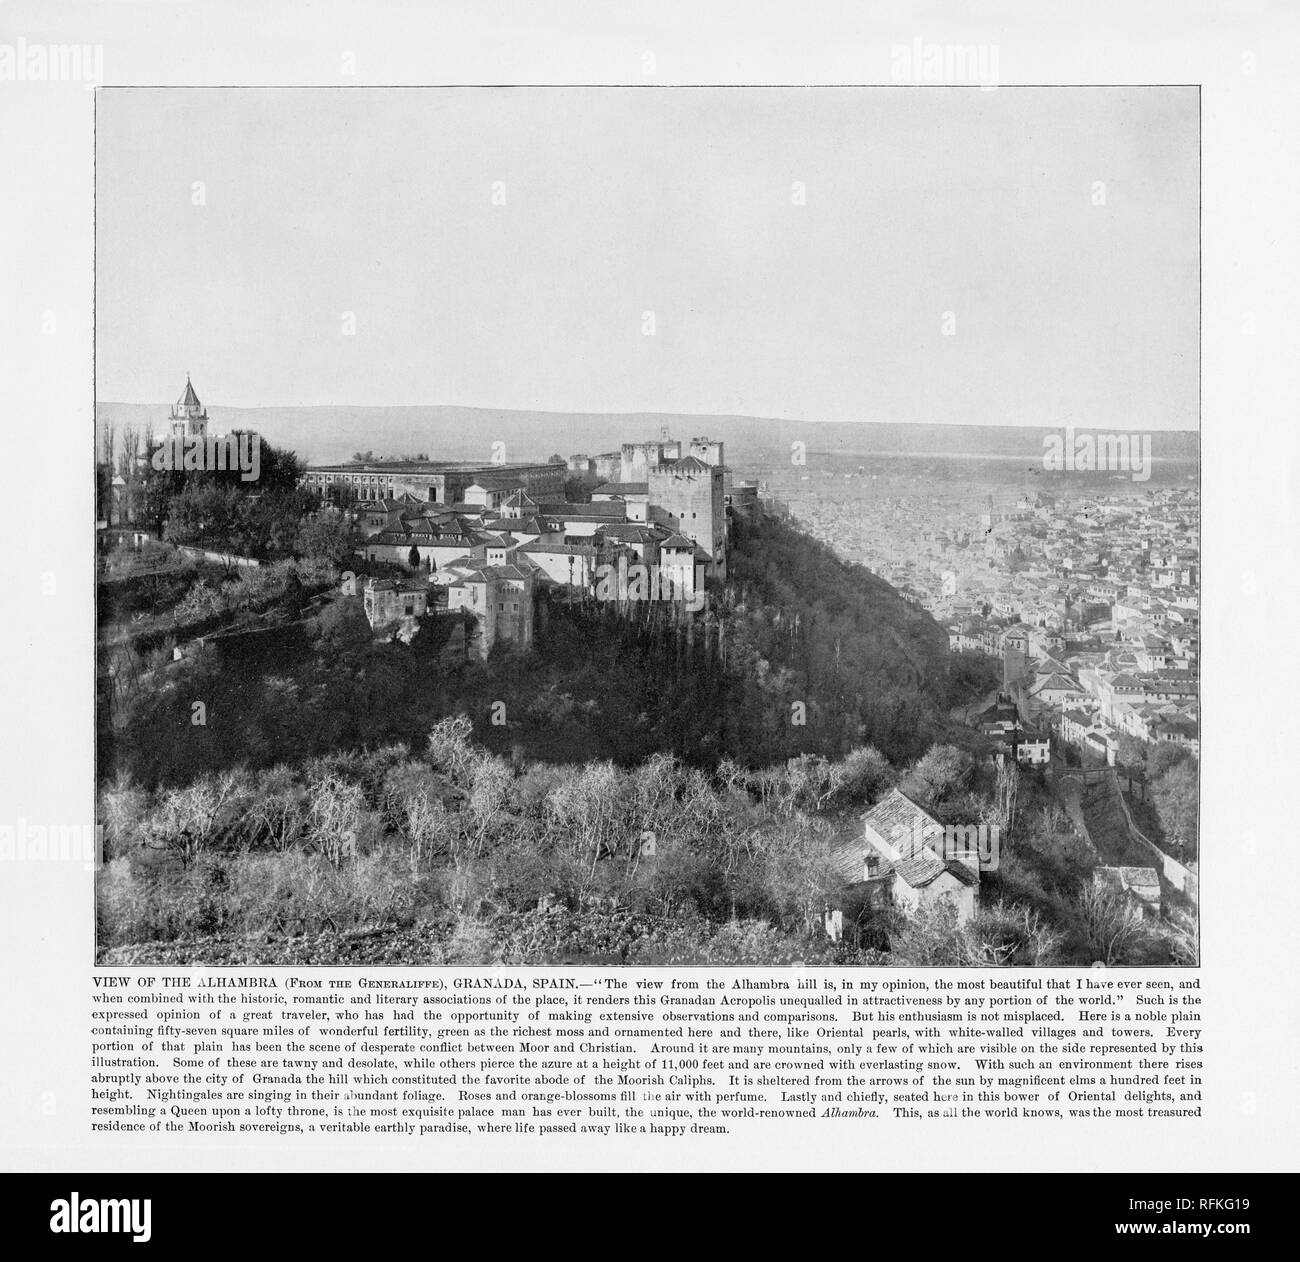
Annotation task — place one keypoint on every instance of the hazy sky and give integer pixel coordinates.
(680, 202)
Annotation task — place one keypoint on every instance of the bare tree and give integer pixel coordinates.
(189, 820)
(450, 750)
(127, 456)
(278, 811)
(1011, 933)
(1112, 923)
(488, 796)
(333, 818)
(427, 826)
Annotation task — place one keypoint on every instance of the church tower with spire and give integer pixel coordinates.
(188, 418)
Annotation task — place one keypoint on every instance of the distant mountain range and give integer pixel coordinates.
(331, 434)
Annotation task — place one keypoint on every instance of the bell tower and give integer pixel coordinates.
(188, 418)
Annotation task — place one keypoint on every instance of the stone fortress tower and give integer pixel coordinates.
(688, 494)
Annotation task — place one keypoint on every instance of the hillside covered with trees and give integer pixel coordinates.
(800, 653)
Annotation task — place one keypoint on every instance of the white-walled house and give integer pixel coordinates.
(901, 858)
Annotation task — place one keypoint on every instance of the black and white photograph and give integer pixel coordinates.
(648, 525)
(662, 588)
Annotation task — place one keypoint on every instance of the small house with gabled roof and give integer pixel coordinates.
(906, 858)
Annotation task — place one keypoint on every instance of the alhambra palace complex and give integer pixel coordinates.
(490, 534)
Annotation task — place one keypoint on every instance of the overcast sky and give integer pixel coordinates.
(680, 202)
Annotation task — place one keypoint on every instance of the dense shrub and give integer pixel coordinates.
(481, 859)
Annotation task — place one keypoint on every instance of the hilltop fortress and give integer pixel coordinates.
(491, 534)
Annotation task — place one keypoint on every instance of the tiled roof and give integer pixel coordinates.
(425, 534)
(919, 868)
(688, 464)
(422, 466)
(967, 873)
(1140, 881)
(847, 858)
(622, 488)
(612, 509)
(901, 824)
(189, 399)
(502, 482)
(396, 585)
(1057, 683)
(524, 525)
(562, 549)
(630, 532)
(488, 572)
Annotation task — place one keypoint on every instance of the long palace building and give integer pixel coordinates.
(436, 481)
